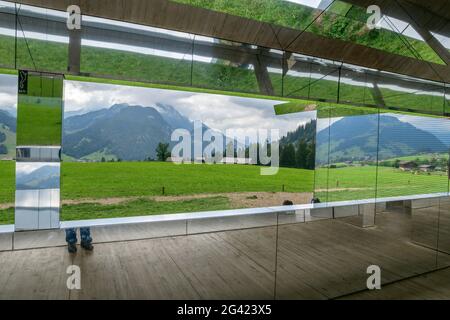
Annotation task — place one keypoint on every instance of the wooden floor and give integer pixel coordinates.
(432, 286)
(317, 260)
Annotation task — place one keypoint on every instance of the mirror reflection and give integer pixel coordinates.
(35, 176)
(40, 111)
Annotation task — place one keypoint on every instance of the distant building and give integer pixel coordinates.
(175, 159)
(427, 168)
(407, 165)
(231, 160)
(200, 160)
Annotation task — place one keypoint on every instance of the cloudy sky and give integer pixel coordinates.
(218, 112)
(8, 92)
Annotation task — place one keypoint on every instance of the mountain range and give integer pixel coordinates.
(127, 132)
(123, 131)
(45, 177)
(7, 134)
(133, 133)
(356, 138)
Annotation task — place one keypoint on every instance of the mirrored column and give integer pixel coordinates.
(38, 152)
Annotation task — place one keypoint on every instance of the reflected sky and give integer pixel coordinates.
(32, 176)
(218, 112)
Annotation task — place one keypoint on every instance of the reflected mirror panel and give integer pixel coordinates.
(40, 109)
(37, 195)
(8, 132)
(124, 142)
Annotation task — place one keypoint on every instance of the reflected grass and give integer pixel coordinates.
(131, 179)
(352, 183)
(125, 179)
(39, 125)
(141, 207)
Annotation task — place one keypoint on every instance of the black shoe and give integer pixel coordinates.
(72, 248)
(87, 246)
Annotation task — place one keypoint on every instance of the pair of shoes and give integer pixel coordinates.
(72, 247)
(87, 246)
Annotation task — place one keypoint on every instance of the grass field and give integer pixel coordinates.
(352, 183)
(102, 180)
(40, 112)
(43, 125)
(131, 179)
(337, 23)
(81, 181)
(210, 76)
(139, 207)
(86, 181)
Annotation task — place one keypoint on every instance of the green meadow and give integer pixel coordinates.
(341, 21)
(128, 179)
(137, 180)
(138, 207)
(350, 183)
(81, 181)
(205, 76)
(42, 123)
(40, 112)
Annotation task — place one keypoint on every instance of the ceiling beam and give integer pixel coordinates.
(174, 16)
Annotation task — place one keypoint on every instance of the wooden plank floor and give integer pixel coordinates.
(318, 260)
(432, 286)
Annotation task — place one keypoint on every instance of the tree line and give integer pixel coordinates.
(297, 149)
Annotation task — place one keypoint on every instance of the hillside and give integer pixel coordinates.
(45, 177)
(7, 135)
(355, 138)
(128, 132)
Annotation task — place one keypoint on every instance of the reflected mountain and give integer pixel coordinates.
(355, 138)
(43, 177)
(124, 131)
(7, 132)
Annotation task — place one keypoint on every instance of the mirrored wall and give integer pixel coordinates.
(119, 50)
(380, 155)
(38, 153)
(400, 162)
(122, 152)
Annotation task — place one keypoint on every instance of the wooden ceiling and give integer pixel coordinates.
(174, 16)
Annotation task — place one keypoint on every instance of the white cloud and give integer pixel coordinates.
(8, 93)
(218, 112)
(8, 100)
